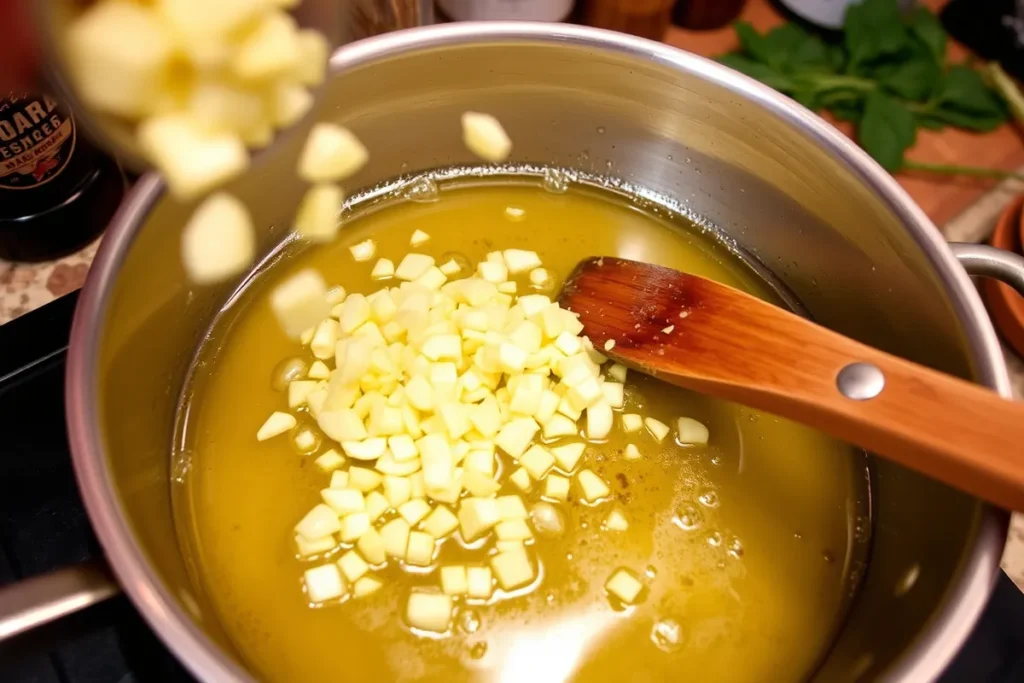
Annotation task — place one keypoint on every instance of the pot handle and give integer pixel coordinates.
(986, 261)
(41, 599)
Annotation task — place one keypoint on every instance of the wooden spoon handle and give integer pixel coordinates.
(729, 344)
(960, 433)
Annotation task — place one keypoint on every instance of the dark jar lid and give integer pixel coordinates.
(70, 225)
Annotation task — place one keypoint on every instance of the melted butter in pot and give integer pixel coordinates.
(745, 546)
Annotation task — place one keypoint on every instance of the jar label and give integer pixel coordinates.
(37, 138)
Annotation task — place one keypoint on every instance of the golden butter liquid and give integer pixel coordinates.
(746, 545)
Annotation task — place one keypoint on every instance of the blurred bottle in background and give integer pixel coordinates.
(644, 18)
(704, 15)
(57, 191)
(508, 10)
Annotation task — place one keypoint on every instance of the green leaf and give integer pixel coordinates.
(873, 30)
(847, 111)
(761, 72)
(929, 122)
(912, 79)
(786, 48)
(886, 130)
(927, 28)
(963, 89)
(808, 98)
(981, 123)
(754, 44)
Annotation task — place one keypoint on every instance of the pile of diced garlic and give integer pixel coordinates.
(449, 400)
(201, 81)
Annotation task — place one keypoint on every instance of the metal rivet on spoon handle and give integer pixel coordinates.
(728, 344)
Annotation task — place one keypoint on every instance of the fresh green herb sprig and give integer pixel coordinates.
(889, 76)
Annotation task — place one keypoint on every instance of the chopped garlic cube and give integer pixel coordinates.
(331, 153)
(538, 461)
(269, 49)
(513, 530)
(521, 479)
(513, 569)
(599, 420)
(556, 487)
(313, 52)
(479, 485)
(219, 241)
(395, 535)
(616, 521)
(339, 478)
(485, 137)
(632, 452)
(352, 566)
(354, 526)
(560, 425)
(480, 581)
(420, 549)
(480, 461)
(614, 394)
(364, 479)
(592, 487)
(440, 522)
(118, 55)
(278, 423)
(567, 456)
(383, 269)
(192, 161)
(300, 302)
(330, 460)
(315, 547)
(344, 501)
(363, 251)
(397, 490)
(319, 522)
(318, 370)
(631, 422)
(376, 505)
(624, 585)
(691, 431)
(450, 267)
(659, 430)
(402, 447)
(414, 510)
(617, 372)
(367, 449)
(477, 516)
(454, 580)
(366, 585)
(429, 611)
(515, 436)
(298, 390)
(341, 425)
(324, 583)
(317, 216)
(413, 266)
(325, 338)
(520, 261)
(373, 547)
(511, 507)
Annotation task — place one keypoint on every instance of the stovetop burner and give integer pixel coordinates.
(43, 526)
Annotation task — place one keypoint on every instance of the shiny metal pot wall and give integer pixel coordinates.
(790, 190)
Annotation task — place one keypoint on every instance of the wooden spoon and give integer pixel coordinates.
(705, 336)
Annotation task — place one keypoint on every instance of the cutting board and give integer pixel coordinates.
(941, 197)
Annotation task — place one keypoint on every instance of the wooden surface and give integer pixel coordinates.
(940, 197)
(726, 343)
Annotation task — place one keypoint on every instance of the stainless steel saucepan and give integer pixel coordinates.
(791, 191)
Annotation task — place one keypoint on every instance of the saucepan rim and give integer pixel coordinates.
(924, 660)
